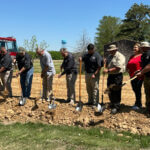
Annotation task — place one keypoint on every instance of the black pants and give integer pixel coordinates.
(115, 95)
(136, 86)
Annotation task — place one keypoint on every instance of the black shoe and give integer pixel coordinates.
(114, 110)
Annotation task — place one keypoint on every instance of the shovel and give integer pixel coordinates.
(117, 87)
(80, 104)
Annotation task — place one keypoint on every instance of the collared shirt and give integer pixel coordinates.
(145, 60)
(24, 61)
(118, 60)
(46, 61)
(69, 65)
(92, 62)
(6, 62)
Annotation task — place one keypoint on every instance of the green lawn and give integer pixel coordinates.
(37, 67)
(39, 136)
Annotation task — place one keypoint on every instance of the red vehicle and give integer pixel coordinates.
(10, 44)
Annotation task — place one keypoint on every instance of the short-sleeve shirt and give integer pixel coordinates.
(92, 62)
(134, 64)
(24, 61)
(6, 62)
(69, 65)
(145, 60)
(118, 60)
(46, 61)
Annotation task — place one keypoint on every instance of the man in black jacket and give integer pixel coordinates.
(25, 67)
(6, 70)
(70, 69)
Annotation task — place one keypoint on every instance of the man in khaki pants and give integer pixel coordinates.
(70, 69)
(93, 63)
(48, 71)
(6, 70)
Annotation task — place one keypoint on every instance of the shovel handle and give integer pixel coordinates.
(80, 80)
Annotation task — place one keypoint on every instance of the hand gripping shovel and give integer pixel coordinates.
(80, 104)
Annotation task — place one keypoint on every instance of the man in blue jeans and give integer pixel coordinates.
(25, 67)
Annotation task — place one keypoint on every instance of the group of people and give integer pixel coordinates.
(114, 65)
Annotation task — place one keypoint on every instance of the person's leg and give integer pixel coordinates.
(89, 87)
(22, 82)
(72, 81)
(68, 78)
(45, 87)
(8, 79)
(29, 78)
(95, 89)
(136, 86)
(147, 92)
(50, 86)
(3, 81)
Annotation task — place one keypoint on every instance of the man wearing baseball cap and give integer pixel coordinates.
(25, 67)
(115, 64)
(145, 62)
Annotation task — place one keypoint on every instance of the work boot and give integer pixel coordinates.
(22, 101)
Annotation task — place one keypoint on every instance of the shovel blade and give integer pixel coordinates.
(52, 106)
(79, 106)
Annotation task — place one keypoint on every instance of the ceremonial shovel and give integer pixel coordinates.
(80, 104)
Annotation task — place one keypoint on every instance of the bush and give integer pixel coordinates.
(55, 55)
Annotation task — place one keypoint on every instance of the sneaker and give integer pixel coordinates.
(135, 107)
(22, 101)
(72, 102)
(114, 110)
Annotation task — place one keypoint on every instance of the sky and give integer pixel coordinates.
(56, 20)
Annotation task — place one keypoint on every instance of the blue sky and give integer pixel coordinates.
(54, 20)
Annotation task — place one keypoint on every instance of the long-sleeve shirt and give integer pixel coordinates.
(24, 61)
(46, 61)
(69, 65)
(6, 62)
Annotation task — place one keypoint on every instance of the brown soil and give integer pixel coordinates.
(125, 120)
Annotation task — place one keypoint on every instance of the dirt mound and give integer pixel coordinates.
(125, 120)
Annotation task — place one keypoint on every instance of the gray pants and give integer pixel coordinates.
(71, 79)
(6, 78)
(47, 86)
(92, 87)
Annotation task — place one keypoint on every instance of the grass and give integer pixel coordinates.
(37, 67)
(48, 137)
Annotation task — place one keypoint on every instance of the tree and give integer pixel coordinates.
(83, 42)
(33, 44)
(106, 32)
(136, 25)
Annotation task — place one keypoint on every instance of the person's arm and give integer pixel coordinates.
(2, 69)
(144, 70)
